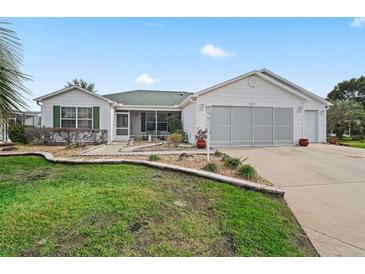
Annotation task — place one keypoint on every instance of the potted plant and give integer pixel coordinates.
(333, 140)
(201, 137)
(303, 142)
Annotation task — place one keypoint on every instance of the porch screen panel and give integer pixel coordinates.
(283, 125)
(220, 126)
(241, 126)
(263, 125)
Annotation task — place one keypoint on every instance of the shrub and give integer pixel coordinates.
(231, 162)
(218, 154)
(247, 171)
(17, 133)
(176, 138)
(51, 136)
(210, 166)
(154, 157)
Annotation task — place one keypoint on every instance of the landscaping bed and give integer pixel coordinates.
(190, 161)
(63, 151)
(50, 209)
(196, 162)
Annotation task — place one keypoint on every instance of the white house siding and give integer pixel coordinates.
(264, 94)
(188, 118)
(74, 98)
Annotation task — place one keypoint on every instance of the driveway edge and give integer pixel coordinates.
(201, 173)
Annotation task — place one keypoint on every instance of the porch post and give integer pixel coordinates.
(156, 124)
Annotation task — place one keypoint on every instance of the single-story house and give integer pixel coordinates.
(256, 108)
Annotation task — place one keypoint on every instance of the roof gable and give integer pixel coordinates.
(68, 89)
(270, 77)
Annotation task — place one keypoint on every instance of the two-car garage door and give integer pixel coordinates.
(251, 125)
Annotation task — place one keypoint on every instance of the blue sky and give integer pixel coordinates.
(120, 54)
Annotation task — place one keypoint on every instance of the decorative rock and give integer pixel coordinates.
(185, 156)
(9, 148)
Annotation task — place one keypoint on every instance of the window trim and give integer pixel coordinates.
(77, 116)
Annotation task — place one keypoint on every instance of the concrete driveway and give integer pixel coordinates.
(325, 188)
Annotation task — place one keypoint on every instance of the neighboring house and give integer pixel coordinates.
(27, 118)
(257, 108)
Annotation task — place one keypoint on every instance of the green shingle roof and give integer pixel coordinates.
(148, 97)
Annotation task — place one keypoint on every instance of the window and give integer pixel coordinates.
(68, 117)
(162, 121)
(84, 117)
(76, 117)
(148, 121)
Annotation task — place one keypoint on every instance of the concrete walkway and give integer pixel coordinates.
(325, 188)
(114, 149)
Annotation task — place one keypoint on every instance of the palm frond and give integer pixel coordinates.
(12, 89)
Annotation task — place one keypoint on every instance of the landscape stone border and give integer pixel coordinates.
(201, 173)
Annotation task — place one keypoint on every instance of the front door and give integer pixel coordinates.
(122, 126)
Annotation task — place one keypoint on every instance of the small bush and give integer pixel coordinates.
(210, 166)
(231, 162)
(176, 138)
(154, 157)
(247, 172)
(224, 156)
(17, 133)
(218, 154)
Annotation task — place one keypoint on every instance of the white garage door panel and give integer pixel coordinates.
(220, 126)
(251, 126)
(311, 125)
(241, 126)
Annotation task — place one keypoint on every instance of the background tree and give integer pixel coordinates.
(353, 89)
(344, 114)
(82, 84)
(12, 88)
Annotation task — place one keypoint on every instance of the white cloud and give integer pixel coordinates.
(145, 79)
(157, 25)
(358, 22)
(215, 52)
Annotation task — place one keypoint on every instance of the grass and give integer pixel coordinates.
(49, 209)
(357, 144)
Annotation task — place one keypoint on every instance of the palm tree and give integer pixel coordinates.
(12, 89)
(82, 84)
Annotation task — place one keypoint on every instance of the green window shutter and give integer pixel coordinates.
(143, 122)
(96, 117)
(56, 116)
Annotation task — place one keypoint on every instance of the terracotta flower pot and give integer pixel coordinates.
(201, 143)
(333, 141)
(303, 142)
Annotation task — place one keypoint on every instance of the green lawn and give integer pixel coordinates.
(51, 209)
(358, 144)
